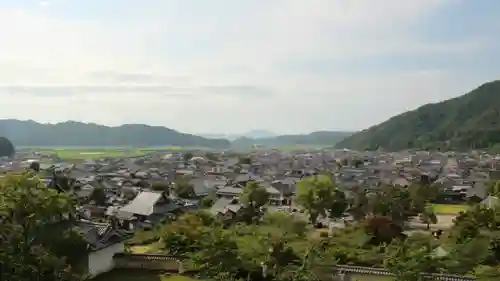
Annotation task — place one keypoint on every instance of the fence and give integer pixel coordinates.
(173, 264)
(349, 269)
(148, 261)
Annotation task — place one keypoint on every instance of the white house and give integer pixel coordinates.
(104, 241)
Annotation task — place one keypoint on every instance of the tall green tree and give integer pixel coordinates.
(183, 188)
(253, 198)
(428, 216)
(6, 147)
(98, 195)
(358, 203)
(409, 263)
(319, 196)
(27, 211)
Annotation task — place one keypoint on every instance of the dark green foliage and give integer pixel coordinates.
(98, 196)
(462, 123)
(35, 166)
(30, 133)
(6, 148)
(187, 156)
(33, 245)
(184, 189)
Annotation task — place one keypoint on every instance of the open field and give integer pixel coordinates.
(140, 275)
(449, 208)
(145, 249)
(101, 152)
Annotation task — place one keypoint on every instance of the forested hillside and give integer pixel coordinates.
(31, 133)
(465, 122)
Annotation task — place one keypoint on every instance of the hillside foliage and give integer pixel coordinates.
(471, 121)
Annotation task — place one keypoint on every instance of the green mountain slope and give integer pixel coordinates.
(30, 133)
(465, 122)
(326, 138)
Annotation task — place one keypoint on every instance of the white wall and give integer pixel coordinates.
(102, 260)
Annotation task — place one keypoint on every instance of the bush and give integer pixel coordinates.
(142, 237)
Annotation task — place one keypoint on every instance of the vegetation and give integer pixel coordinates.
(320, 138)
(6, 148)
(33, 134)
(256, 244)
(462, 123)
(140, 275)
(28, 250)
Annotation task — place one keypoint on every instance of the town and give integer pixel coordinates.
(126, 205)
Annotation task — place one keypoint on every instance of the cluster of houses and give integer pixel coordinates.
(130, 201)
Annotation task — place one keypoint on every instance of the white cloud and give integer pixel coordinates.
(210, 69)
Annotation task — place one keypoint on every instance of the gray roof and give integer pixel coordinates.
(230, 190)
(143, 203)
(99, 235)
(224, 204)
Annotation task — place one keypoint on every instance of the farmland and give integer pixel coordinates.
(100, 152)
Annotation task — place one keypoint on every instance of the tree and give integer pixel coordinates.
(35, 166)
(6, 148)
(98, 195)
(30, 247)
(183, 188)
(491, 274)
(358, 203)
(338, 205)
(382, 230)
(187, 156)
(244, 160)
(319, 196)
(181, 237)
(494, 188)
(253, 198)
(409, 263)
(464, 257)
(207, 201)
(217, 257)
(161, 186)
(394, 202)
(286, 223)
(428, 217)
(212, 156)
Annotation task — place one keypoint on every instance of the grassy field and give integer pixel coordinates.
(140, 275)
(449, 208)
(95, 152)
(145, 249)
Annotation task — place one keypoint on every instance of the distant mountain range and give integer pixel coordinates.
(471, 121)
(254, 134)
(71, 133)
(319, 138)
(31, 133)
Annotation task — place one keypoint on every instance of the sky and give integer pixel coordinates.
(226, 66)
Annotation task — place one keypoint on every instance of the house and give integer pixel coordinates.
(490, 202)
(146, 209)
(104, 241)
(229, 192)
(226, 208)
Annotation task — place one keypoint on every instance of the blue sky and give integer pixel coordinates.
(224, 66)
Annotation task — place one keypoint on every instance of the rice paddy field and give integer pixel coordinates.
(449, 208)
(101, 152)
